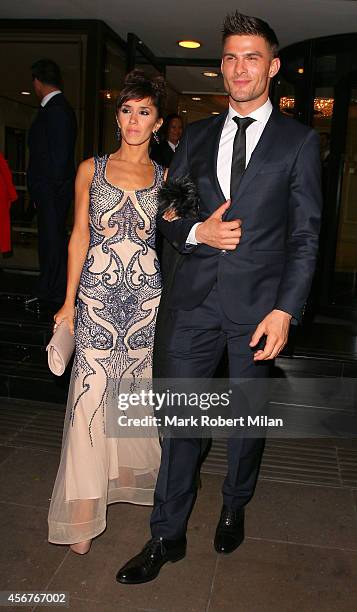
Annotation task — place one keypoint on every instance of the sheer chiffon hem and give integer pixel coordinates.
(131, 495)
(61, 533)
(71, 533)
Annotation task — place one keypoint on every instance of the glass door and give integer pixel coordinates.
(345, 269)
(334, 117)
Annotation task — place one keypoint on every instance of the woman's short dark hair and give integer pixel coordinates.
(138, 86)
(47, 71)
(239, 24)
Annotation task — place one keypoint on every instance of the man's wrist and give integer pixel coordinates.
(198, 232)
(283, 312)
(192, 237)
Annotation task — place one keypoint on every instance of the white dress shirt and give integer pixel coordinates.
(225, 149)
(171, 145)
(47, 98)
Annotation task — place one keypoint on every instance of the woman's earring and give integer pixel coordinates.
(156, 137)
(118, 133)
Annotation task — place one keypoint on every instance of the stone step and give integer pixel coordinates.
(27, 380)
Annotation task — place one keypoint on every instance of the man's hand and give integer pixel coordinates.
(275, 326)
(224, 235)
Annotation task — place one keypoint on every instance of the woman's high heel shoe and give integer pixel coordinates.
(81, 548)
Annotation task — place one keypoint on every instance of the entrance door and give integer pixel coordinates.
(345, 269)
(339, 230)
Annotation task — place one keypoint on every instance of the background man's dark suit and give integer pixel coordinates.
(50, 178)
(279, 203)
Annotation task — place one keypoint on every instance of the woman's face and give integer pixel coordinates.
(174, 131)
(137, 120)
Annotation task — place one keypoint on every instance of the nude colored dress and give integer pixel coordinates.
(118, 298)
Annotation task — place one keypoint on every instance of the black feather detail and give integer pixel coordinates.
(181, 195)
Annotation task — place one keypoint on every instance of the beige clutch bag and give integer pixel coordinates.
(60, 349)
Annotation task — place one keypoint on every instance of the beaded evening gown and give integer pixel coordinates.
(118, 298)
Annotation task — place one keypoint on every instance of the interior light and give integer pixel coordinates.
(300, 70)
(212, 75)
(196, 98)
(189, 44)
(26, 93)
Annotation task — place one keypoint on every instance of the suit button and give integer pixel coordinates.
(223, 252)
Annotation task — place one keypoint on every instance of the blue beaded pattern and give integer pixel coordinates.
(119, 291)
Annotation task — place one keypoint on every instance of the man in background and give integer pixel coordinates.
(50, 177)
(171, 132)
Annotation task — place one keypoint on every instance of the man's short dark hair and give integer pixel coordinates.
(47, 71)
(239, 24)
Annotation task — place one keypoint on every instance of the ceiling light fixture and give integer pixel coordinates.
(214, 113)
(26, 93)
(184, 111)
(189, 44)
(211, 75)
(196, 98)
(300, 70)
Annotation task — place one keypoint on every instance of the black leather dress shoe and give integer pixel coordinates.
(147, 564)
(230, 530)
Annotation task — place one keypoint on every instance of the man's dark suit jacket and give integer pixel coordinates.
(279, 203)
(51, 143)
(162, 154)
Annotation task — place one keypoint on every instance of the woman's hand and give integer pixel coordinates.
(170, 214)
(66, 313)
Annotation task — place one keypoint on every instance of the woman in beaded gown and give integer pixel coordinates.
(114, 272)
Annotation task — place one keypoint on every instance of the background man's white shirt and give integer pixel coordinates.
(47, 98)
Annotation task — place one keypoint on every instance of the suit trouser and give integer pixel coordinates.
(52, 246)
(194, 347)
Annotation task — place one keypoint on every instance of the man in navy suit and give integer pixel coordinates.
(171, 131)
(50, 177)
(243, 274)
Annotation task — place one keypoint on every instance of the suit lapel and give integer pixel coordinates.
(212, 153)
(259, 155)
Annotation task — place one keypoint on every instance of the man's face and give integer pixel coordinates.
(247, 67)
(174, 132)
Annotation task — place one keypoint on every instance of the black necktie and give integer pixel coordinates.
(238, 156)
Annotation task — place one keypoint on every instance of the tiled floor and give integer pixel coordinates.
(299, 555)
